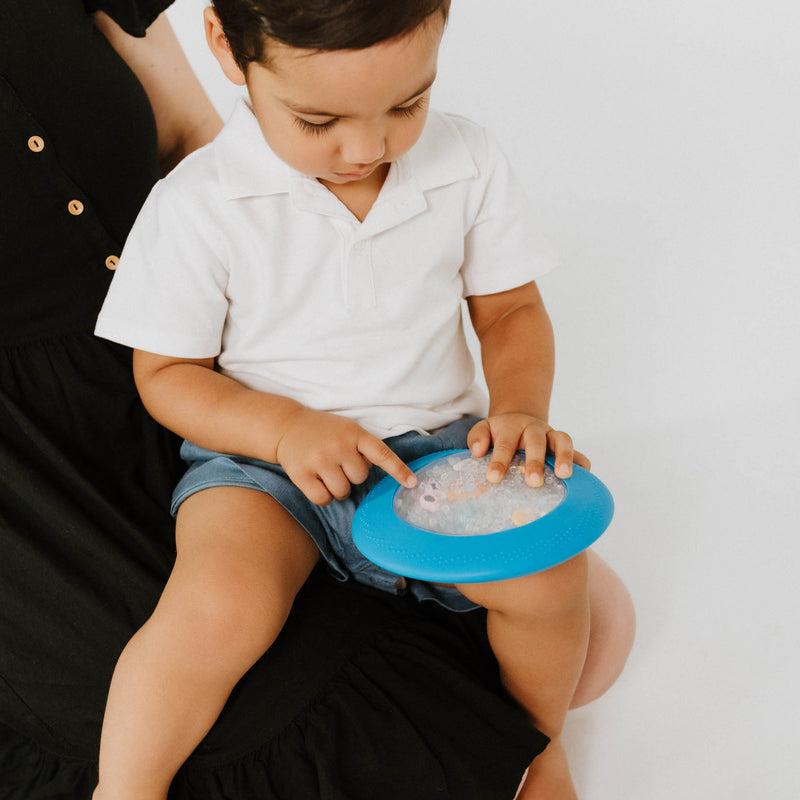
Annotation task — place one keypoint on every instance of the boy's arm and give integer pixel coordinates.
(185, 117)
(518, 358)
(323, 454)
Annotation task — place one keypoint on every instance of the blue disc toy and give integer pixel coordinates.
(456, 527)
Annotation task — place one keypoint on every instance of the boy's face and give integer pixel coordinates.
(343, 116)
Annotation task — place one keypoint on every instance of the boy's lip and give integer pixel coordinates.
(356, 176)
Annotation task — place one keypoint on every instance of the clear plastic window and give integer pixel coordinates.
(452, 496)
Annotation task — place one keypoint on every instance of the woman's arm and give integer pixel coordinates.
(518, 357)
(185, 117)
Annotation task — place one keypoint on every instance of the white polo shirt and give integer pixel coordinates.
(239, 257)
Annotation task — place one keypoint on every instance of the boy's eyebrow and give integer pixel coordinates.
(313, 112)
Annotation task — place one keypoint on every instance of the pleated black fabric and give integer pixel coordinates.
(364, 695)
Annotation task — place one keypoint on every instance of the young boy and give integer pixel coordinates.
(293, 294)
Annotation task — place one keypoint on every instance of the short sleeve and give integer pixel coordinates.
(133, 16)
(168, 294)
(503, 247)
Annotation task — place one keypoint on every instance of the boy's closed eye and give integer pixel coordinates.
(404, 111)
(315, 128)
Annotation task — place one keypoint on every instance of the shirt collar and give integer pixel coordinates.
(440, 157)
(247, 167)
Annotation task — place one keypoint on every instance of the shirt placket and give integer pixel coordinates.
(358, 279)
(396, 204)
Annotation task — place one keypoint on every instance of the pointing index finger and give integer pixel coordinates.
(381, 455)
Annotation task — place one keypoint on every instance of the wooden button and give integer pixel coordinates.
(75, 207)
(112, 261)
(36, 143)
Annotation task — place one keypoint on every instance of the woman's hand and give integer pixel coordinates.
(325, 454)
(510, 432)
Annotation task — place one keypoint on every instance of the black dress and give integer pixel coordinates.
(364, 695)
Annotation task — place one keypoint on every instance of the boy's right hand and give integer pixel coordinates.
(325, 454)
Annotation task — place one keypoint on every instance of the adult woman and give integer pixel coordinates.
(363, 696)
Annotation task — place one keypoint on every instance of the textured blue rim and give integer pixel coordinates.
(391, 543)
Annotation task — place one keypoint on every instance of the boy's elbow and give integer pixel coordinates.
(145, 365)
(146, 369)
(158, 376)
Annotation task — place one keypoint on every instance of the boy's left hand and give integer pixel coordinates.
(508, 433)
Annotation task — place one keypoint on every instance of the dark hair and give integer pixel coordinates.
(318, 24)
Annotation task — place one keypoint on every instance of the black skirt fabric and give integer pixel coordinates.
(364, 695)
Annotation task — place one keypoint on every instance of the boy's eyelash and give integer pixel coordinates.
(317, 129)
(409, 111)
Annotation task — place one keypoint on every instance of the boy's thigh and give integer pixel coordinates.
(242, 535)
(241, 561)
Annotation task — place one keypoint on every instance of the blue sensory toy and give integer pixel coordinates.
(455, 526)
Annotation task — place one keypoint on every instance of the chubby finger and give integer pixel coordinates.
(315, 490)
(535, 450)
(581, 460)
(381, 455)
(356, 469)
(560, 444)
(336, 482)
(479, 439)
(504, 450)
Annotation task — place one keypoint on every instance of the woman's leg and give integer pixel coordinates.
(611, 632)
(241, 560)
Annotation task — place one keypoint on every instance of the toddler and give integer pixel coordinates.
(293, 295)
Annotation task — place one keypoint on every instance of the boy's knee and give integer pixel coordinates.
(553, 591)
(228, 626)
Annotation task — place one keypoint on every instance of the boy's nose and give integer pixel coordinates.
(364, 147)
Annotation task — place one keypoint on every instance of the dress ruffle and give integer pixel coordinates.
(29, 772)
(406, 704)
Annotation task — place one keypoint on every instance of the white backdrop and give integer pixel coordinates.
(660, 140)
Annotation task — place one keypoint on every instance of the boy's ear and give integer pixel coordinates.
(218, 44)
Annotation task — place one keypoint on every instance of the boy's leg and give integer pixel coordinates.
(538, 627)
(241, 560)
(611, 635)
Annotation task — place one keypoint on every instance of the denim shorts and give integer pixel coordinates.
(329, 526)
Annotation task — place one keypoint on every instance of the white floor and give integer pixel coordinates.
(659, 141)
